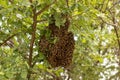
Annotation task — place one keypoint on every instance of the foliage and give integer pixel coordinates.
(95, 24)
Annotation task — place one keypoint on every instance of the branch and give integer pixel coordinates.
(115, 28)
(11, 1)
(34, 24)
(67, 2)
(32, 39)
(30, 1)
(107, 22)
(39, 21)
(45, 8)
(7, 39)
(114, 5)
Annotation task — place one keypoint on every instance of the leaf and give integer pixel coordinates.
(57, 20)
(84, 40)
(1, 73)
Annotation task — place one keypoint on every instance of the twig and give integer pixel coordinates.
(107, 22)
(11, 1)
(45, 8)
(115, 28)
(67, 2)
(30, 1)
(7, 39)
(114, 5)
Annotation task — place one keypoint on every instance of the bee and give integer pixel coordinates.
(61, 52)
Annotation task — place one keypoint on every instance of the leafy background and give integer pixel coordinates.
(96, 28)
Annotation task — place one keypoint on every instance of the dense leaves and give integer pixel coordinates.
(95, 24)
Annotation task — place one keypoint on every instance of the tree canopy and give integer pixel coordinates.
(95, 25)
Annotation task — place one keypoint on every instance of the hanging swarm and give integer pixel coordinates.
(61, 52)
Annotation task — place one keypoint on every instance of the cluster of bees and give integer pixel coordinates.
(59, 53)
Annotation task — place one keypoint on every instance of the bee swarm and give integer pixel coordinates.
(61, 52)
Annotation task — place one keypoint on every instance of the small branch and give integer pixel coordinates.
(114, 5)
(45, 8)
(7, 39)
(107, 22)
(30, 1)
(67, 2)
(34, 24)
(115, 28)
(11, 1)
(114, 23)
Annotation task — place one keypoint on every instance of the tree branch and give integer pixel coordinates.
(115, 28)
(114, 5)
(45, 8)
(67, 2)
(34, 24)
(32, 39)
(7, 39)
(11, 1)
(107, 22)
(30, 1)
(32, 43)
